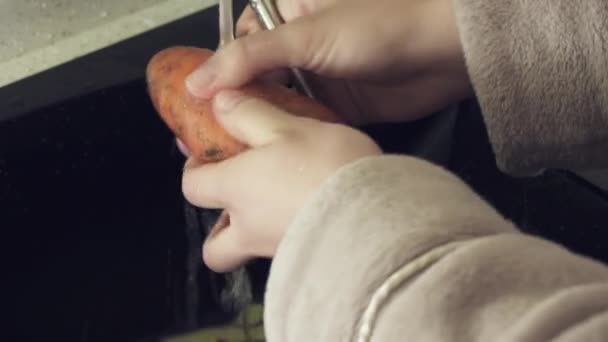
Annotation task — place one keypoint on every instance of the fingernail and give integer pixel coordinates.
(200, 81)
(225, 101)
(182, 148)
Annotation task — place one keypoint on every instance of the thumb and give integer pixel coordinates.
(223, 250)
(295, 44)
(251, 120)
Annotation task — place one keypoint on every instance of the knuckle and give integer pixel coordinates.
(196, 187)
(313, 44)
(189, 187)
(209, 257)
(233, 56)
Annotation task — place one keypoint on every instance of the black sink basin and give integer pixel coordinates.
(94, 222)
(90, 203)
(92, 210)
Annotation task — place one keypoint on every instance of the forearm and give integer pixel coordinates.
(399, 248)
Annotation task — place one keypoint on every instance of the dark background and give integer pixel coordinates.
(92, 218)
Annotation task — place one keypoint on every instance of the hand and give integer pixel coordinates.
(380, 61)
(263, 188)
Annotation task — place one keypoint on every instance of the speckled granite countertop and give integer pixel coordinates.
(36, 35)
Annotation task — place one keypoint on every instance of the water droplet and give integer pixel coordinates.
(103, 14)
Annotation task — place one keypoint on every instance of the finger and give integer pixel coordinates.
(216, 185)
(247, 23)
(206, 186)
(300, 43)
(250, 120)
(223, 249)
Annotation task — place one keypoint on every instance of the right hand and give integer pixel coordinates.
(263, 188)
(379, 61)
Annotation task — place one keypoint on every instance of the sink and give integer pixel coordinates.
(90, 203)
(89, 190)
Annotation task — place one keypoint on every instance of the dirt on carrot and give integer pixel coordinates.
(192, 120)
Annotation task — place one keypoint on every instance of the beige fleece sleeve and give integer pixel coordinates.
(395, 249)
(540, 71)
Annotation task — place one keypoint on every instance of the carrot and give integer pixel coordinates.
(192, 120)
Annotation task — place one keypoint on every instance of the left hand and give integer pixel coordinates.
(263, 188)
(369, 61)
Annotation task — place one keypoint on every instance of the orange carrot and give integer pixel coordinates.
(192, 120)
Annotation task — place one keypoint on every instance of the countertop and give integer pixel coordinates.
(36, 35)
